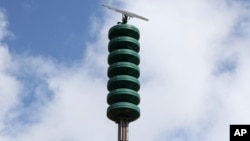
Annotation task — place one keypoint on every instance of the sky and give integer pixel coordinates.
(53, 63)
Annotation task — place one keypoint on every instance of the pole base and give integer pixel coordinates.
(123, 130)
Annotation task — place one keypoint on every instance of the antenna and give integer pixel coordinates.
(125, 14)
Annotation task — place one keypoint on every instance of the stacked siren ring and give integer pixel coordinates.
(123, 73)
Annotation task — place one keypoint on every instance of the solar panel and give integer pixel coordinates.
(126, 14)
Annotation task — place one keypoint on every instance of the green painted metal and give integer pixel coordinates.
(123, 73)
(123, 81)
(123, 55)
(124, 30)
(123, 95)
(123, 111)
(123, 68)
(124, 42)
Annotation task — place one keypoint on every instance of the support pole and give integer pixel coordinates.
(123, 130)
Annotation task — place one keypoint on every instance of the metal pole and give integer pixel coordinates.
(123, 130)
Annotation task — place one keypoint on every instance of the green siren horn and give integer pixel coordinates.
(123, 72)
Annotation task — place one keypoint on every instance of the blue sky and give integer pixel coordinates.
(50, 28)
(53, 62)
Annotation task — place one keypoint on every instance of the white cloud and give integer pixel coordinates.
(194, 76)
(181, 47)
(9, 86)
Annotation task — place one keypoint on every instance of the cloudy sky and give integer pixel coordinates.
(194, 69)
